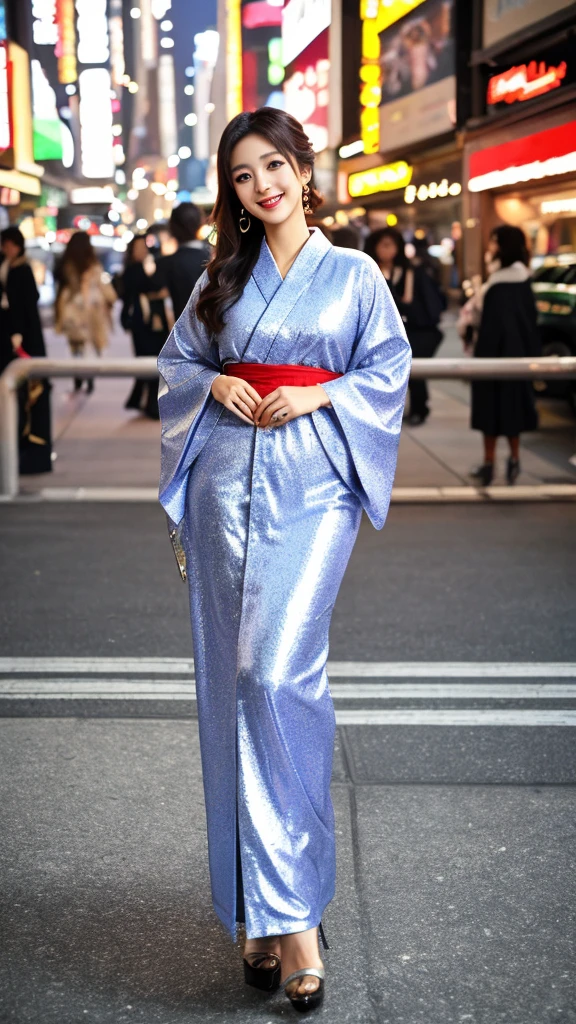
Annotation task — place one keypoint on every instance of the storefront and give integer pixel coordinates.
(529, 181)
(421, 196)
(520, 153)
(406, 169)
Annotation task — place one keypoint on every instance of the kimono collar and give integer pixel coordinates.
(266, 273)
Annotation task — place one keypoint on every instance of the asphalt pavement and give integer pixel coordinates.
(455, 898)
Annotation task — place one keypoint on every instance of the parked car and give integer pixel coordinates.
(554, 286)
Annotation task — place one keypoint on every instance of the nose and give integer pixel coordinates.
(261, 183)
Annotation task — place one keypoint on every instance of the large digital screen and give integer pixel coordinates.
(2, 19)
(417, 62)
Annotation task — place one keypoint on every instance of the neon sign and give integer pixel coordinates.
(376, 15)
(525, 82)
(5, 124)
(380, 179)
(66, 45)
(541, 155)
(435, 190)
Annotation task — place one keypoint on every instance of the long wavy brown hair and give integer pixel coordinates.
(236, 253)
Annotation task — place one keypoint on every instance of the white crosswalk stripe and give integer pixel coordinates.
(382, 683)
(336, 669)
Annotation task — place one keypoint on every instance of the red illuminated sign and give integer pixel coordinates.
(525, 82)
(541, 155)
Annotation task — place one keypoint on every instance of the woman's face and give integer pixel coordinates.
(386, 250)
(10, 249)
(266, 183)
(493, 246)
(140, 250)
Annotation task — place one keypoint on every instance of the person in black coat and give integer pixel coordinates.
(21, 338)
(179, 272)
(420, 304)
(507, 329)
(144, 315)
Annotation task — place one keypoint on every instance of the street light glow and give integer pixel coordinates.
(191, 120)
(183, 154)
(167, 43)
(135, 13)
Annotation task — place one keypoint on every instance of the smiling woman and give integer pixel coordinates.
(281, 405)
(265, 161)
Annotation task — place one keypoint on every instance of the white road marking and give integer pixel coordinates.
(449, 716)
(170, 689)
(400, 495)
(99, 666)
(336, 669)
(454, 691)
(452, 669)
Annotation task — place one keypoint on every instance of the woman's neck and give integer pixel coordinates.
(287, 239)
(387, 269)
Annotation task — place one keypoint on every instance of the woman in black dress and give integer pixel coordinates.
(419, 302)
(505, 408)
(144, 315)
(21, 338)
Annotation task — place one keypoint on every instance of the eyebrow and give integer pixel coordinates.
(263, 157)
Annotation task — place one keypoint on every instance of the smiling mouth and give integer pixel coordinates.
(270, 202)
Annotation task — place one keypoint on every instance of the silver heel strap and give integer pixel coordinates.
(314, 972)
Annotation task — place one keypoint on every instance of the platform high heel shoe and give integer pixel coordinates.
(262, 970)
(307, 1001)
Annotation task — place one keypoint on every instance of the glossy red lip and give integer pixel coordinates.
(270, 201)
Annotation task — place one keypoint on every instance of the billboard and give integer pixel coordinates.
(504, 17)
(306, 90)
(302, 22)
(418, 82)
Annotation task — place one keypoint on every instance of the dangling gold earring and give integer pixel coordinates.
(246, 220)
(306, 199)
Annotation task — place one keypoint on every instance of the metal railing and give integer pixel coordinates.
(545, 368)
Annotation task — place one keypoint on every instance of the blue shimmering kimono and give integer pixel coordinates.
(270, 517)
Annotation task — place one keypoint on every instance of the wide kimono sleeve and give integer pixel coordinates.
(188, 364)
(361, 431)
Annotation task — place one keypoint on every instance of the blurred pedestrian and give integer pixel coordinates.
(179, 272)
(507, 329)
(84, 300)
(420, 303)
(21, 338)
(144, 315)
(345, 238)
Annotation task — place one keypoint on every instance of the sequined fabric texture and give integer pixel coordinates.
(269, 521)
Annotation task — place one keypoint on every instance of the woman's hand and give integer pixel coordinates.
(286, 403)
(236, 395)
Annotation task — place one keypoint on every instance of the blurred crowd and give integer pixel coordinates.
(499, 320)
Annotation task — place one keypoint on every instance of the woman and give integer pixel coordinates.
(20, 338)
(84, 300)
(281, 406)
(144, 315)
(507, 328)
(420, 303)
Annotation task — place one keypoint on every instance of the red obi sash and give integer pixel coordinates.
(266, 377)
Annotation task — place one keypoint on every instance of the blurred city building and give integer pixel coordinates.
(520, 140)
(104, 116)
(442, 117)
